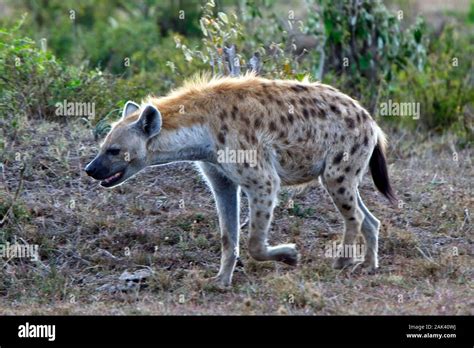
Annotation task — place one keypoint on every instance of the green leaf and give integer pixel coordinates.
(203, 27)
(223, 17)
(417, 34)
(364, 61)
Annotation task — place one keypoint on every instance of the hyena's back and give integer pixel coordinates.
(302, 128)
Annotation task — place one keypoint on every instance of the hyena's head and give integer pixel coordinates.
(124, 153)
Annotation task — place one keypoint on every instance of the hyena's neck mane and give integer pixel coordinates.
(201, 97)
(188, 114)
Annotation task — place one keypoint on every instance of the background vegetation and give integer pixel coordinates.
(69, 50)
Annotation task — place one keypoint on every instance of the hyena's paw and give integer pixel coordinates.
(342, 262)
(220, 282)
(287, 254)
(367, 267)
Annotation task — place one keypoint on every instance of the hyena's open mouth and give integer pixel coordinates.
(112, 180)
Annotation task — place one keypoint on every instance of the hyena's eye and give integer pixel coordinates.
(113, 152)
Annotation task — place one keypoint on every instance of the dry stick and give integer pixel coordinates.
(429, 258)
(230, 54)
(15, 197)
(255, 63)
(7, 190)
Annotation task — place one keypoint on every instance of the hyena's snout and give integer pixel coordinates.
(109, 174)
(95, 169)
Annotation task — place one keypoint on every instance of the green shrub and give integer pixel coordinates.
(359, 47)
(444, 87)
(104, 33)
(32, 80)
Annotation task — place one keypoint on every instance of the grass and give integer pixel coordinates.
(89, 236)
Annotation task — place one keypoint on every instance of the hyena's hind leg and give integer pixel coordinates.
(370, 231)
(227, 197)
(262, 189)
(342, 187)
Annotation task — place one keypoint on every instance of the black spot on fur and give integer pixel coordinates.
(357, 171)
(267, 216)
(354, 148)
(306, 113)
(225, 241)
(366, 141)
(291, 118)
(272, 126)
(299, 88)
(257, 122)
(341, 190)
(346, 207)
(221, 138)
(335, 109)
(234, 112)
(340, 179)
(305, 100)
(350, 122)
(348, 169)
(338, 158)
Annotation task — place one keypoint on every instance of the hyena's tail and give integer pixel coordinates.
(378, 167)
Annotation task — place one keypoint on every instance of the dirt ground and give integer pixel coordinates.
(163, 222)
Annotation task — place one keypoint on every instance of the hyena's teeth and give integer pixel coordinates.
(110, 178)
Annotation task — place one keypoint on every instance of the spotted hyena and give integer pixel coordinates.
(299, 131)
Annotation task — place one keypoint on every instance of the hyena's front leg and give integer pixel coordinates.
(262, 192)
(227, 196)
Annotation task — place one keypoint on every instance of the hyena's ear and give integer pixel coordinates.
(150, 120)
(129, 108)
